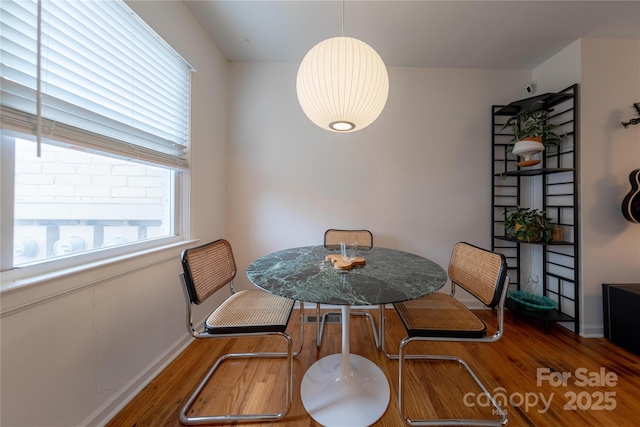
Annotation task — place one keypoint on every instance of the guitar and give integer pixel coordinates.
(631, 202)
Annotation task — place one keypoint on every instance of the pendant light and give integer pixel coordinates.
(342, 84)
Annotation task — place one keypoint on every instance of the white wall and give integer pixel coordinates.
(74, 347)
(418, 177)
(561, 70)
(609, 75)
(611, 244)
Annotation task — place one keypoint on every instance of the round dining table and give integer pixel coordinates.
(346, 389)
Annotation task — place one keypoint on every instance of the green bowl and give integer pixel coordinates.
(532, 301)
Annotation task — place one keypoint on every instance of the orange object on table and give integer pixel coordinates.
(340, 263)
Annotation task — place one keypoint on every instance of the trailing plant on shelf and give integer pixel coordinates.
(529, 124)
(532, 131)
(530, 225)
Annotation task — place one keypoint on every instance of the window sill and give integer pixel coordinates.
(47, 286)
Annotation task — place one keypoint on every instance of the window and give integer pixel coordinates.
(94, 129)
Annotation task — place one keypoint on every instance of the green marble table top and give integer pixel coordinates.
(389, 276)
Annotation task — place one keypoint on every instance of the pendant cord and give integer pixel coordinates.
(39, 80)
(342, 18)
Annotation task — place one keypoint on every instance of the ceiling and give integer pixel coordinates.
(514, 34)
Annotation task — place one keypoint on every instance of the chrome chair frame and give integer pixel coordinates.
(204, 334)
(503, 281)
(329, 243)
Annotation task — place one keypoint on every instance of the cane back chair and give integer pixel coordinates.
(247, 313)
(441, 317)
(332, 239)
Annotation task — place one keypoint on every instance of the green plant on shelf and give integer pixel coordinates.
(529, 225)
(529, 124)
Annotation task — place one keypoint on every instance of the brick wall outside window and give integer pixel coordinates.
(69, 200)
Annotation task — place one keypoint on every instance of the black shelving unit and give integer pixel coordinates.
(552, 187)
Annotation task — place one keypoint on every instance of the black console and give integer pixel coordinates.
(622, 315)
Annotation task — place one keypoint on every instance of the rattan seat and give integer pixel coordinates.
(332, 239)
(441, 317)
(250, 311)
(244, 314)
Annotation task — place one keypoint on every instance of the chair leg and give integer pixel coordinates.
(319, 327)
(210, 419)
(299, 349)
(373, 324)
(381, 322)
(445, 422)
(321, 320)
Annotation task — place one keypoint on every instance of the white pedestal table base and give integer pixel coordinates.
(345, 389)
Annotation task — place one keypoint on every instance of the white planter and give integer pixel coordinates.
(527, 148)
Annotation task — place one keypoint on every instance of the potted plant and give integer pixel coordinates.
(531, 133)
(530, 225)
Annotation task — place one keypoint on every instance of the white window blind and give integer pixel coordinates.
(109, 83)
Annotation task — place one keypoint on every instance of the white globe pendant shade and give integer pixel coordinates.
(342, 84)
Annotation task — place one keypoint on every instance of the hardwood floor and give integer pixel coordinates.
(602, 387)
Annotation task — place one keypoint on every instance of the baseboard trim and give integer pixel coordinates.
(593, 331)
(119, 400)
